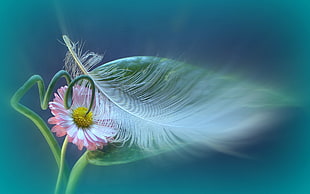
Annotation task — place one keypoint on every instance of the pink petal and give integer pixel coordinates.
(80, 134)
(91, 136)
(57, 128)
(66, 123)
(70, 139)
(60, 131)
(72, 131)
(58, 106)
(57, 99)
(75, 140)
(92, 146)
(52, 120)
(85, 141)
(61, 91)
(80, 144)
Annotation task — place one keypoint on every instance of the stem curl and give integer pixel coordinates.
(45, 95)
(44, 99)
(68, 94)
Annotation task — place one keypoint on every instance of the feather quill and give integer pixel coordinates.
(159, 103)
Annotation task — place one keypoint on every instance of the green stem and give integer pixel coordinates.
(68, 94)
(60, 178)
(76, 173)
(44, 98)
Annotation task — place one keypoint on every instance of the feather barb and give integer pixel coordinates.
(75, 57)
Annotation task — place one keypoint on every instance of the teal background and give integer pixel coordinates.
(266, 40)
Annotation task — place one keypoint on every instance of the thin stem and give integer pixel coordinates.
(76, 173)
(60, 178)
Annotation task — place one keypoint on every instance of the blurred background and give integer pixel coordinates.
(266, 41)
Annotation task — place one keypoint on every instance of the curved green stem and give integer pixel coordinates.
(68, 94)
(44, 129)
(76, 173)
(44, 98)
(60, 178)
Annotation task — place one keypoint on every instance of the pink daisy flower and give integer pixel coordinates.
(93, 130)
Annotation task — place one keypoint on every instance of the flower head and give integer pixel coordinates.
(92, 129)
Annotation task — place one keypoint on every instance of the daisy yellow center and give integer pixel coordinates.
(81, 119)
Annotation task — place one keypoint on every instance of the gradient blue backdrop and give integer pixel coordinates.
(266, 40)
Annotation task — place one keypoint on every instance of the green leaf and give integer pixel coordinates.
(113, 154)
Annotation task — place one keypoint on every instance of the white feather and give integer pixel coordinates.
(158, 102)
